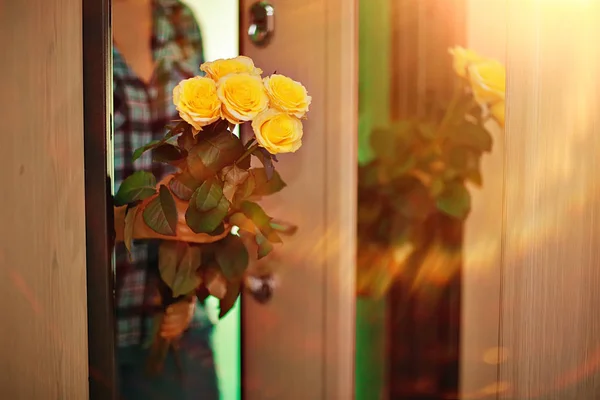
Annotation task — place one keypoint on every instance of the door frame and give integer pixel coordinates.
(342, 69)
(341, 199)
(97, 101)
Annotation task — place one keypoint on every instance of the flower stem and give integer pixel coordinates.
(449, 111)
(253, 146)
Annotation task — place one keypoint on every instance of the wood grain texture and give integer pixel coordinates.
(550, 298)
(43, 338)
(422, 32)
(486, 26)
(341, 135)
(300, 345)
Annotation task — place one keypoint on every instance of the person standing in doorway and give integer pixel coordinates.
(156, 44)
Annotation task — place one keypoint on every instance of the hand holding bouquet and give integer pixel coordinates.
(202, 211)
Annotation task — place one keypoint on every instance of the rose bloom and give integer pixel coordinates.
(488, 81)
(197, 102)
(278, 132)
(243, 97)
(219, 68)
(287, 95)
(463, 58)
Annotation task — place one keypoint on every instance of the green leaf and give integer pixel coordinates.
(392, 143)
(474, 176)
(368, 175)
(212, 153)
(265, 186)
(264, 245)
(266, 160)
(242, 222)
(218, 230)
(232, 257)
(412, 199)
(178, 264)
(179, 128)
(231, 296)
(370, 212)
(186, 141)
(141, 150)
(472, 135)
(138, 186)
(262, 221)
(183, 185)
(436, 187)
(402, 166)
(245, 190)
(284, 228)
(215, 282)
(208, 195)
(215, 128)
(427, 130)
(400, 230)
(129, 225)
(167, 153)
(383, 143)
(170, 254)
(186, 279)
(455, 200)
(199, 217)
(233, 177)
(161, 213)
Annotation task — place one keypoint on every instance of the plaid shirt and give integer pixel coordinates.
(141, 113)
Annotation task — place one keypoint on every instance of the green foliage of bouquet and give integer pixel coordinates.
(205, 213)
(419, 174)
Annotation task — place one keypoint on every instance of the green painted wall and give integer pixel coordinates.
(227, 349)
(374, 106)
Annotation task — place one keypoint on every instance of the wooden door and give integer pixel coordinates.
(551, 275)
(43, 341)
(300, 345)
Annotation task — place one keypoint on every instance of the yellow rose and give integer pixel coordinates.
(243, 97)
(197, 102)
(277, 131)
(497, 111)
(463, 58)
(488, 81)
(287, 95)
(219, 68)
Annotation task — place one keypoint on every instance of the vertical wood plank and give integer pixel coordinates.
(300, 344)
(550, 324)
(43, 336)
(486, 26)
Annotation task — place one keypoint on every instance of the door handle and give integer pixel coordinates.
(262, 23)
(261, 287)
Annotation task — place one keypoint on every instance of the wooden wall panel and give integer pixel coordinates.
(550, 323)
(422, 32)
(300, 344)
(486, 26)
(43, 341)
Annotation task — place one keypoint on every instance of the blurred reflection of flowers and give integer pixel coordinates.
(412, 194)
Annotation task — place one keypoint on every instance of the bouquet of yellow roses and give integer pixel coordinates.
(413, 195)
(202, 211)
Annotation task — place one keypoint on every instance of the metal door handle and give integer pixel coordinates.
(262, 23)
(261, 287)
